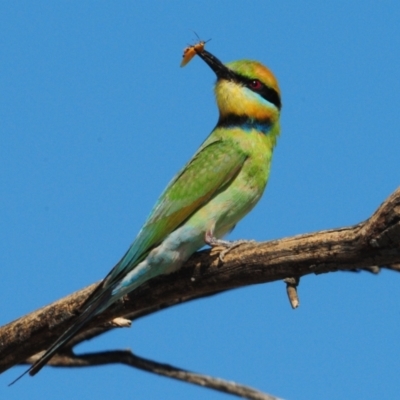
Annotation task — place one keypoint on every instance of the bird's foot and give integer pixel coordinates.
(225, 245)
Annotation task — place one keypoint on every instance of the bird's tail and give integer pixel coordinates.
(95, 306)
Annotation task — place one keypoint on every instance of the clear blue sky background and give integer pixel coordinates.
(96, 117)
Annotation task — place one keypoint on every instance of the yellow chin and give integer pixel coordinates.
(232, 99)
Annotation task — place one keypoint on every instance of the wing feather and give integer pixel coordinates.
(210, 169)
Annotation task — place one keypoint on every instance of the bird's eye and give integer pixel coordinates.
(255, 84)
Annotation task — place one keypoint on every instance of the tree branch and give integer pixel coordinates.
(126, 357)
(367, 245)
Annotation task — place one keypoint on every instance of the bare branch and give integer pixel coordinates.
(126, 357)
(364, 246)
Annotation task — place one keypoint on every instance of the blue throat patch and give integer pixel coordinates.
(245, 123)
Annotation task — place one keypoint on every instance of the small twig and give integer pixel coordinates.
(291, 289)
(373, 269)
(126, 357)
(121, 322)
(393, 267)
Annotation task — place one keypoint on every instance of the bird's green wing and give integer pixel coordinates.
(210, 170)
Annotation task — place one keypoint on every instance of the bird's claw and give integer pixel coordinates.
(231, 246)
(227, 245)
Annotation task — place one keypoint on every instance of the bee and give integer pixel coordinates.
(190, 51)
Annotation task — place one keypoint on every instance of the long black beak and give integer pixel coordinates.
(222, 71)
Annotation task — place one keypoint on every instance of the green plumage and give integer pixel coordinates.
(220, 184)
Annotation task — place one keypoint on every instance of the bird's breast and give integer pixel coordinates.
(229, 205)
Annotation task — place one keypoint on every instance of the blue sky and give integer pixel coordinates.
(96, 117)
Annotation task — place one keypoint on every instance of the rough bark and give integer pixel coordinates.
(369, 245)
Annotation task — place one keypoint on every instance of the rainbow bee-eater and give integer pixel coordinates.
(221, 183)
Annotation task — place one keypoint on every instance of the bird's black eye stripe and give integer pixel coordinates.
(264, 91)
(270, 95)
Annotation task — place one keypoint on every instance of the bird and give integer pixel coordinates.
(204, 201)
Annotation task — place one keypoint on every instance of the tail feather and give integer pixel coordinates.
(90, 311)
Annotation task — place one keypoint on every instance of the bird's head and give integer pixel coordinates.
(245, 89)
